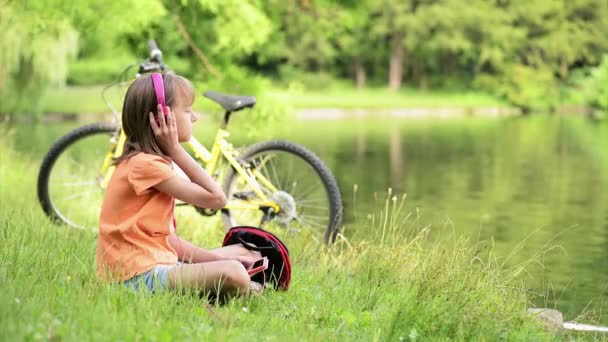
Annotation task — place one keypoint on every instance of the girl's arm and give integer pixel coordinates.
(212, 191)
(201, 190)
(190, 253)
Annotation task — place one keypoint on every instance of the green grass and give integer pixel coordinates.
(382, 98)
(390, 282)
(81, 99)
(87, 99)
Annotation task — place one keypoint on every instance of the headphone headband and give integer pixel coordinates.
(159, 90)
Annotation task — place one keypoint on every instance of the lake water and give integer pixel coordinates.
(539, 181)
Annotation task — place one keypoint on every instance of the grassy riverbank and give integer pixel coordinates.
(87, 99)
(390, 284)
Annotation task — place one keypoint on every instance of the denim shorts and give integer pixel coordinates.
(154, 280)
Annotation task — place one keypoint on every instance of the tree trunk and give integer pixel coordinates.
(360, 76)
(563, 69)
(186, 35)
(395, 73)
(424, 81)
(420, 75)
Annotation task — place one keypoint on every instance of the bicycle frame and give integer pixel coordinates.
(209, 160)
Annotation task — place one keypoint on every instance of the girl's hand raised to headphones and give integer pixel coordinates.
(165, 130)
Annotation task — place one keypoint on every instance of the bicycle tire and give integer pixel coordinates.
(322, 171)
(59, 147)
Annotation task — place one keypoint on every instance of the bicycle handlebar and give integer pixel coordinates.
(151, 64)
(156, 55)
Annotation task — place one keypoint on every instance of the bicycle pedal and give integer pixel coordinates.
(245, 195)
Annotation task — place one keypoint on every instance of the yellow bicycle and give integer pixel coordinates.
(272, 182)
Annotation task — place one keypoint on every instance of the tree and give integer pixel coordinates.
(558, 36)
(394, 20)
(38, 38)
(562, 33)
(35, 46)
(594, 87)
(216, 32)
(303, 36)
(353, 38)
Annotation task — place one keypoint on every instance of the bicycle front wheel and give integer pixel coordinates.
(304, 189)
(70, 187)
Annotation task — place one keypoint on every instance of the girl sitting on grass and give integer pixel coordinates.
(137, 242)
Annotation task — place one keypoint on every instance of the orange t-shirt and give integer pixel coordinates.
(136, 219)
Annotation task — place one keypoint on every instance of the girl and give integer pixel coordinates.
(137, 242)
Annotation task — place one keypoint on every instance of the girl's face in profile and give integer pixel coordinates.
(184, 118)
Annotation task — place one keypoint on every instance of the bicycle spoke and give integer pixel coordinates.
(312, 206)
(314, 216)
(298, 182)
(274, 171)
(78, 183)
(306, 194)
(273, 179)
(66, 179)
(79, 194)
(73, 189)
(293, 187)
(315, 224)
(76, 164)
(311, 201)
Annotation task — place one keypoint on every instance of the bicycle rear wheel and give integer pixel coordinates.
(69, 186)
(307, 195)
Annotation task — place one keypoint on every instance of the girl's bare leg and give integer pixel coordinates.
(239, 251)
(236, 250)
(227, 277)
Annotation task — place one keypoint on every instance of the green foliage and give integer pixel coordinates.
(334, 94)
(311, 81)
(38, 38)
(523, 51)
(559, 33)
(92, 71)
(525, 87)
(106, 69)
(238, 27)
(35, 46)
(222, 30)
(103, 24)
(269, 110)
(596, 86)
(307, 34)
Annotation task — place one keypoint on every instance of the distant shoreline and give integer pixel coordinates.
(402, 113)
(331, 113)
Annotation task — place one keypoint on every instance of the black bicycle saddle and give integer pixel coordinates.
(231, 103)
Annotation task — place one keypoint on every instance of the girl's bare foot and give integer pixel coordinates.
(256, 288)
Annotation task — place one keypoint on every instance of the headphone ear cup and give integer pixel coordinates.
(159, 90)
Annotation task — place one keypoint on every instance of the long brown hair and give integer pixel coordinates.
(140, 100)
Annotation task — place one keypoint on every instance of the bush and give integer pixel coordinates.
(91, 71)
(526, 87)
(311, 80)
(594, 87)
(268, 112)
(103, 70)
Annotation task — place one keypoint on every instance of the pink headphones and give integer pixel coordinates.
(159, 90)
